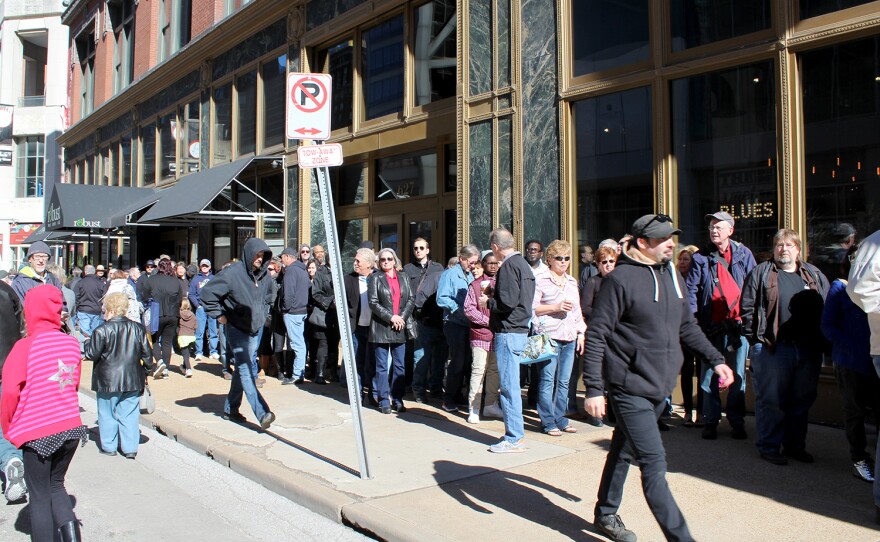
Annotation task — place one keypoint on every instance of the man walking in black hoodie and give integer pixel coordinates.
(239, 297)
(633, 349)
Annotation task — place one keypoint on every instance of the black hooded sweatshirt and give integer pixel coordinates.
(640, 318)
(240, 293)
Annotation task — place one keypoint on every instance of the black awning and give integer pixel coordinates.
(88, 207)
(193, 195)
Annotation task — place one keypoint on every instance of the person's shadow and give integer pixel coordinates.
(514, 493)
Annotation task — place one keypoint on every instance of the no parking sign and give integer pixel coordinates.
(308, 105)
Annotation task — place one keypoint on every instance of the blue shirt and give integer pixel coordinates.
(451, 292)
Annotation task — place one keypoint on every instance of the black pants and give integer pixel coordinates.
(49, 502)
(165, 334)
(860, 393)
(688, 369)
(636, 439)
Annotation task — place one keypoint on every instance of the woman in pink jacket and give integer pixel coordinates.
(39, 412)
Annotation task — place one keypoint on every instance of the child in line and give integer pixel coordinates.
(186, 335)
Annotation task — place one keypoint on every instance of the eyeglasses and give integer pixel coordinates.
(606, 262)
(718, 227)
(660, 219)
(40, 256)
(533, 249)
(562, 258)
(386, 259)
(786, 246)
(205, 265)
(473, 262)
(420, 248)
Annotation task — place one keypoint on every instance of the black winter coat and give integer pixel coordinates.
(168, 292)
(121, 354)
(379, 296)
(10, 321)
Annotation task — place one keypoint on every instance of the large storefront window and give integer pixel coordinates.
(841, 102)
(338, 61)
(148, 151)
(221, 146)
(697, 22)
(814, 8)
(434, 50)
(614, 168)
(724, 142)
(190, 149)
(599, 46)
(406, 175)
(125, 156)
(274, 87)
(382, 54)
(246, 86)
(168, 131)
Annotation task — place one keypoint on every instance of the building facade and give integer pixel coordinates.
(33, 96)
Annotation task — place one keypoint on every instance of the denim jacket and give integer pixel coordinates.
(451, 293)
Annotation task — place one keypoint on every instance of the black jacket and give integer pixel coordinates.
(510, 308)
(89, 292)
(353, 296)
(240, 293)
(417, 273)
(639, 321)
(167, 291)
(322, 297)
(427, 312)
(11, 321)
(121, 354)
(379, 295)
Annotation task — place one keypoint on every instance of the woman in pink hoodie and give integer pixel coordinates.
(39, 411)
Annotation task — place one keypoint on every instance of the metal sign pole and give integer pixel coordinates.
(345, 331)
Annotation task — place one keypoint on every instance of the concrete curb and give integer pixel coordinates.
(371, 521)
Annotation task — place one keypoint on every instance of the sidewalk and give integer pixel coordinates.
(433, 478)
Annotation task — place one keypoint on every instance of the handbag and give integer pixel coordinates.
(412, 329)
(318, 317)
(147, 401)
(539, 347)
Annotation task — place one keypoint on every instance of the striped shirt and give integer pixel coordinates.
(561, 326)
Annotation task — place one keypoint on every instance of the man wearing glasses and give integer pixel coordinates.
(714, 287)
(782, 303)
(429, 349)
(35, 274)
(633, 349)
(202, 319)
(451, 292)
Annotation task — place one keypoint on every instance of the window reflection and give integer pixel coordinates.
(383, 68)
(125, 170)
(221, 146)
(814, 8)
(274, 87)
(841, 102)
(350, 184)
(724, 141)
(189, 134)
(338, 61)
(599, 46)
(406, 175)
(698, 22)
(168, 131)
(246, 88)
(351, 233)
(614, 168)
(434, 51)
(148, 146)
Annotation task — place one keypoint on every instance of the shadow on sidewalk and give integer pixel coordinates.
(516, 494)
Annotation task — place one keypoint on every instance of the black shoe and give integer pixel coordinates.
(612, 526)
(449, 407)
(738, 432)
(774, 457)
(105, 452)
(299, 381)
(710, 432)
(422, 398)
(399, 408)
(320, 381)
(70, 532)
(131, 455)
(877, 514)
(663, 426)
(234, 417)
(267, 420)
(799, 455)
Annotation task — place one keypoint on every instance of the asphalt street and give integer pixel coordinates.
(172, 493)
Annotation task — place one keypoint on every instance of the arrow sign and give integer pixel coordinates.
(308, 105)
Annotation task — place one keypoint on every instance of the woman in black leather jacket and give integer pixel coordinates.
(122, 358)
(391, 301)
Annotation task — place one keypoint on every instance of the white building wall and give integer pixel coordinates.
(17, 16)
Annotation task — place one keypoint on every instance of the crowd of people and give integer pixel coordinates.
(643, 315)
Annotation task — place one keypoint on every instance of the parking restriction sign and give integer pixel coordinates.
(308, 105)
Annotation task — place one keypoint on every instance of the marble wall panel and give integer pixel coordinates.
(480, 51)
(319, 12)
(317, 235)
(250, 49)
(292, 207)
(502, 15)
(480, 175)
(505, 173)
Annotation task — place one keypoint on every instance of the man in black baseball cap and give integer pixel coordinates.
(640, 318)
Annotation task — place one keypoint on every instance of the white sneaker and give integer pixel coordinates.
(493, 411)
(198, 357)
(161, 371)
(16, 487)
(165, 373)
(188, 373)
(505, 447)
(474, 417)
(215, 355)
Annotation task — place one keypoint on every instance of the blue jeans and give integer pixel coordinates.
(88, 322)
(785, 389)
(876, 360)
(7, 450)
(458, 339)
(296, 328)
(119, 421)
(202, 319)
(508, 349)
(398, 373)
(429, 355)
(553, 386)
(243, 347)
(736, 393)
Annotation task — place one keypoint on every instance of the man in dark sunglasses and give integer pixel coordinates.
(639, 319)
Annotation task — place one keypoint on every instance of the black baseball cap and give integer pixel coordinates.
(654, 226)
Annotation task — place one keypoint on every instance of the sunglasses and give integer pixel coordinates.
(304, 251)
(562, 258)
(605, 262)
(420, 248)
(387, 259)
(660, 219)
